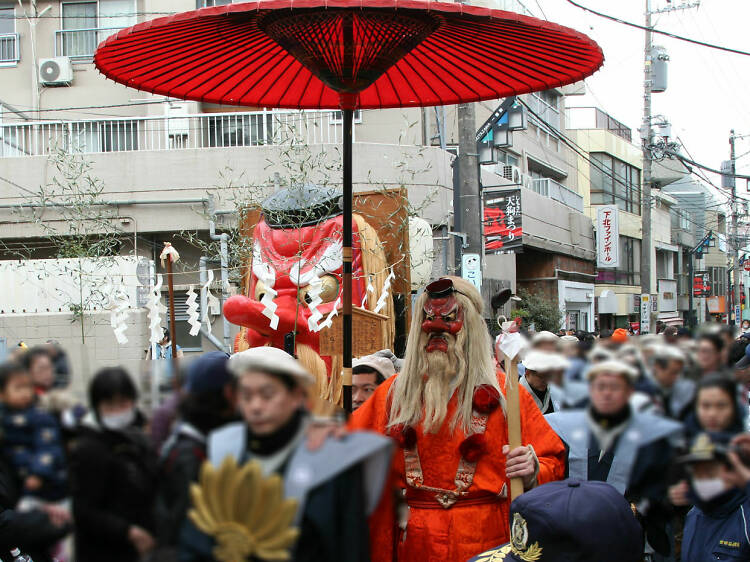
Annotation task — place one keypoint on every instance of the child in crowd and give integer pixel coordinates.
(31, 438)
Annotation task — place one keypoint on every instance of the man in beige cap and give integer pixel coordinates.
(629, 450)
(336, 486)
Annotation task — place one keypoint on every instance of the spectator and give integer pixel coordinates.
(670, 335)
(207, 403)
(740, 356)
(165, 367)
(60, 363)
(717, 528)
(113, 475)
(39, 365)
(726, 333)
(629, 450)
(540, 367)
(716, 407)
(709, 354)
(545, 341)
(31, 438)
(367, 374)
(675, 392)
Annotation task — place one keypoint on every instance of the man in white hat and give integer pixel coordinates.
(675, 393)
(334, 498)
(368, 373)
(629, 450)
(541, 368)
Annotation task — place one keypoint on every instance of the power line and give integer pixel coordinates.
(660, 32)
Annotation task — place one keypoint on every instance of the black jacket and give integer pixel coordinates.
(179, 466)
(113, 486)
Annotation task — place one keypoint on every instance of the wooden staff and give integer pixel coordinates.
(172, 332)
(514, 418)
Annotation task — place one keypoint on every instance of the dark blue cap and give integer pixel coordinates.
(208, 372)
(571, 520)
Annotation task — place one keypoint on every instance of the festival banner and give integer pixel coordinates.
(503, 231)
(607, 237)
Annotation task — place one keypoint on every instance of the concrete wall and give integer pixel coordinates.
(181, 174)
(99, 347)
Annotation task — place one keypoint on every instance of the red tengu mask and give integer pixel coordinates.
(443, 319)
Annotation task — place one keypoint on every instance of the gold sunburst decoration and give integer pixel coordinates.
(244, 512)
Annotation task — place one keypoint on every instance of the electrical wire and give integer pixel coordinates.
(659, 31)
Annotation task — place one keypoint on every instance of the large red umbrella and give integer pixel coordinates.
(346, 54)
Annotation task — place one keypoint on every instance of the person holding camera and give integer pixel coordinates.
(718, 525)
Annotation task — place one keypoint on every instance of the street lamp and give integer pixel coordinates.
(486, 153)
(516, 117)
(502, 137)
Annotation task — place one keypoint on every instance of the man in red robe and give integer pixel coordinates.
(446, 410)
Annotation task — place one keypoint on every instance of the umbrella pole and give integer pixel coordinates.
(347, 265)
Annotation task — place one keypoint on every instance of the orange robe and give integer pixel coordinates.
(435, 534)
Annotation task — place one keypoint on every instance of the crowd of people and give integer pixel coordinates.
(662, 419)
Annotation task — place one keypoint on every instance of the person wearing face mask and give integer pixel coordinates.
(112, 475)
(718, 526)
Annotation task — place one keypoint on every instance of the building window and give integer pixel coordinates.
(79, 29)
(86, 24)
(506, 159)
(8, 37)
(615, 182)
(718, 277)
(629, 272)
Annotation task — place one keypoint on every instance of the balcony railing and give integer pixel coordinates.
(81, 43)
(558, 192)
(546, 112)
(595, 118)
(9, 51)
(205, 130)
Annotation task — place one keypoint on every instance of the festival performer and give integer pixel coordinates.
(446, 410)
(613, 443)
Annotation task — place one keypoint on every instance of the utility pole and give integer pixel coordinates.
(468, 197)
(645, 143)
(735, 237)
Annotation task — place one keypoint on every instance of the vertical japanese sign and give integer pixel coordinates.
(503, 231)
(645, 313)
(607, 237)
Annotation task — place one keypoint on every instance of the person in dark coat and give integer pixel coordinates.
(113, 475)
(207, 403)
(718, 525)
(328, 482)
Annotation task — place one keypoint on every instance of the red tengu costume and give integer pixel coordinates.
(446, 410)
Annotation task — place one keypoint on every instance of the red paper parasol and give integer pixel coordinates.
(313, 54)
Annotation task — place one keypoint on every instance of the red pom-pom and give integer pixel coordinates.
(473, 447)
(405, 435)
(486, 399)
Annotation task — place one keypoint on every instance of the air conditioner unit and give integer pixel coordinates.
(56, 72)
(512, 174)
